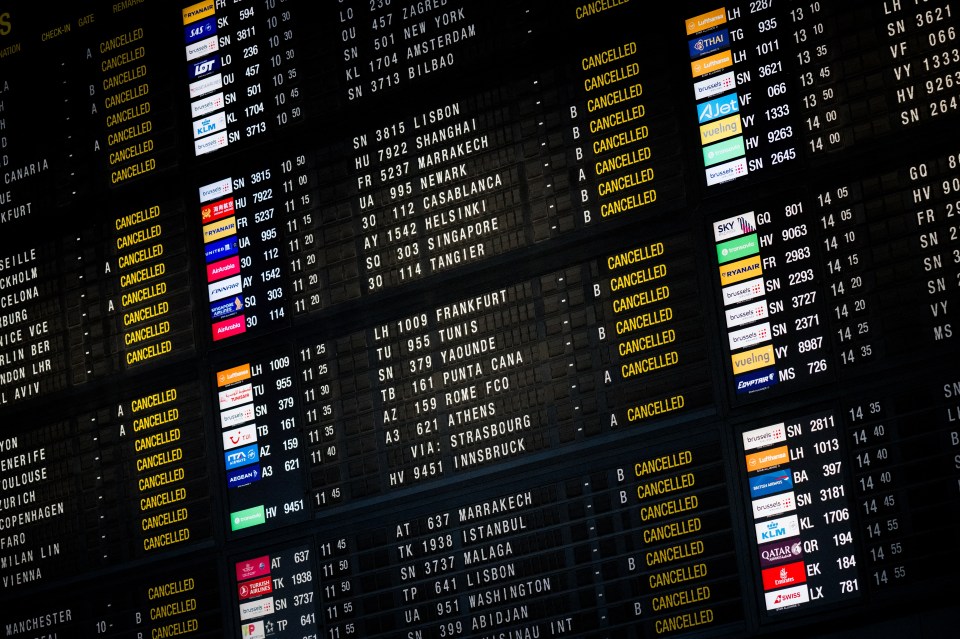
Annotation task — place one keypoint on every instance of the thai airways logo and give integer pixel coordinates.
(774, 505)
(714, 41)
(241, 456)
(777, 529)
(787, 597)
(766, 436)
(251, 568)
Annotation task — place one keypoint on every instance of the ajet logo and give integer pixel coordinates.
(767, 459)
(774, 505)
(242, 456)
(240, 415)
(775, 529)
(706, 20)
(243, 477)
(756, 380)
(251, 568)
(751, 336)
(737, 248)
(709, 43)
(714, 85)
(734, 226)
(770, 483)
(754, 359)
(709, 64)
(743, 292)
(742, 270)
(255, 588)
(766, 436)
(787, 597)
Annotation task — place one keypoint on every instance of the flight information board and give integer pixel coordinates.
(504, 319)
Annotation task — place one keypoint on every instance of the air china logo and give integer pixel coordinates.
(253, 568)
(786, 597)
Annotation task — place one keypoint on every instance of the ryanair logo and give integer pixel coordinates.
(198, 11)
(742, 270)
(218, 230)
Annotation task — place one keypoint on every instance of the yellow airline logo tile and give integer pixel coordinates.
(740, 270)
(720, 129)
(198, 11)
(711, 63)
(767, 458)
(233, 375)
(219, 229)
(752, 360)
(706, 20)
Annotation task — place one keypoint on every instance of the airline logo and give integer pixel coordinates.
(727, 171)
(774, 505)
(214, 251)
(776, 529)
(212, 124)
(234, 396)
(216, 190)
(229, 328)
(233, 375)
(216, 210)
(779, 552)
(251, 568)
(756, 380)
(226, 308)
(742, 270)
(256, 588)
(752, 360)
(770, 483)
(253, 630)
(709, 64)
(746, 313)
(254, 609)
(202, 47)
(200, 29)
(225, 288)
(205, 67)
(223, 268)
(785, 575)
(242, 456)
(787, 597)
(243, 477)
(706, 21)
(247, 518)
(721, 129)
(709, 43)
(766, 436)
(206, 105)
(734, 226)
(767, 459)
(743, 292)
(240, 415)
(211, 143)
(737, 248)
(714, 85)
(198, 11)
(751, 336)
(723, 151)
(243, 436)
(206, 85)
(219, 230)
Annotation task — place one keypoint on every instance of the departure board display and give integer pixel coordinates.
(504, 319)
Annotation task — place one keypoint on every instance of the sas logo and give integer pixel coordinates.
(216, 210)
(206, 85)
(756, 380)
(726, 171)
(766, 436)
(709, 64)
(770, 483)
(205, 67)
(717, 108)
(198, 11)
(787, 597)
(223, 268)
(751, 336)
(219, 230)
(737, 248)
(202, 29)
(779, 552)
(254, 609)
(252, 630)
(709, 43)
(242, 436)
(240, 415)
(723, 151)
(706, 21)
(212, 124)
(233, 375)
(774, 505)
(226, 308)
(211, 143)
(735, 226)
(216, 189)
(786, 575)
(202, 47)
(225, 288)
(746, 314)
(206, 105)
(242, 456)
(243, 477)
(752, 360)
(215, 251)
(234, 396)
(766, 459)
(253, 568)
(714, 86)
(743, 292)
(782, 528)
(229, 328)
(742, 270)
(256, 588)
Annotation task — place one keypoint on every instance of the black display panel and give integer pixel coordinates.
(479, 319)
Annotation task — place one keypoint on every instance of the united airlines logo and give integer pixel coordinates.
(220, 249)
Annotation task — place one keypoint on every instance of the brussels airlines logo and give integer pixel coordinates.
(205, 67)
(746, 314)
(216, 189)
(207, 105)
(727, 171)
(254, 609)
(766, 436)
(210, 143)
(774, 505)
(743, 292)
(714, 86)
(237, 416)
(202, 48)
(242, 456)
(751, 336)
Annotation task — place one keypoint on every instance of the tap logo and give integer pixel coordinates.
(253, 630)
